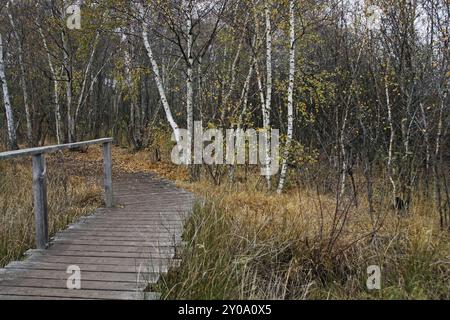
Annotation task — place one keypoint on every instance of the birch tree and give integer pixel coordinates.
(188, 12)
(390, 160)
(11, 128)
(267, 105)
(157, 76)
(290, 95)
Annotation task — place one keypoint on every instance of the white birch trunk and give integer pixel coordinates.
(159, 84)
(12, 137)
(267, 105)
(290, 130)
(391, 143)
(187, 5)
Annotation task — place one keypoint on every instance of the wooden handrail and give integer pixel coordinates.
(40, 184)
(50, 149)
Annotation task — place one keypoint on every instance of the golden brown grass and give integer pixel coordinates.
(245, 243)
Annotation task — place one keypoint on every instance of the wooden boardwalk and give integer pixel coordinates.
(120, 251)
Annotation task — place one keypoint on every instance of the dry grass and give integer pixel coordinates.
(246, 243)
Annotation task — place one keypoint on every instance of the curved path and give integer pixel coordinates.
(119, 251)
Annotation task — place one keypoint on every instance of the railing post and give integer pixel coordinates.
(107, 173)
(40, 201)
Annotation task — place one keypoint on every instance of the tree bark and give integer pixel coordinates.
(159, 84)
(269, 84)
(187, 6)
(290, 96)
(12, 137)
(391, 140)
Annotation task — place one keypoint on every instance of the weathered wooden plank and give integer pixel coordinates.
(145, 193)
(77, 260)
(135, 219)
(106, 254)
(136, 244)
(54, 266)
(126, 212)
(104, 248)
(152, 196)
(116, 236)
(129, 230)
(132, 223)
(180, 208)
(10, 297)
(163, 204)
(65, 293)
(132, 227)
(12, 274)
(62, 284)
(111, 234)
(130, 219)
(160, 189)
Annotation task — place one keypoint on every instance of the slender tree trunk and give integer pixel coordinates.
(268, 104)
(390, 164)
(159, 84)
(12, 137)
(187, 5)
(290, 97)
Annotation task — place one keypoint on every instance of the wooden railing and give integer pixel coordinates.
(40, 185)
